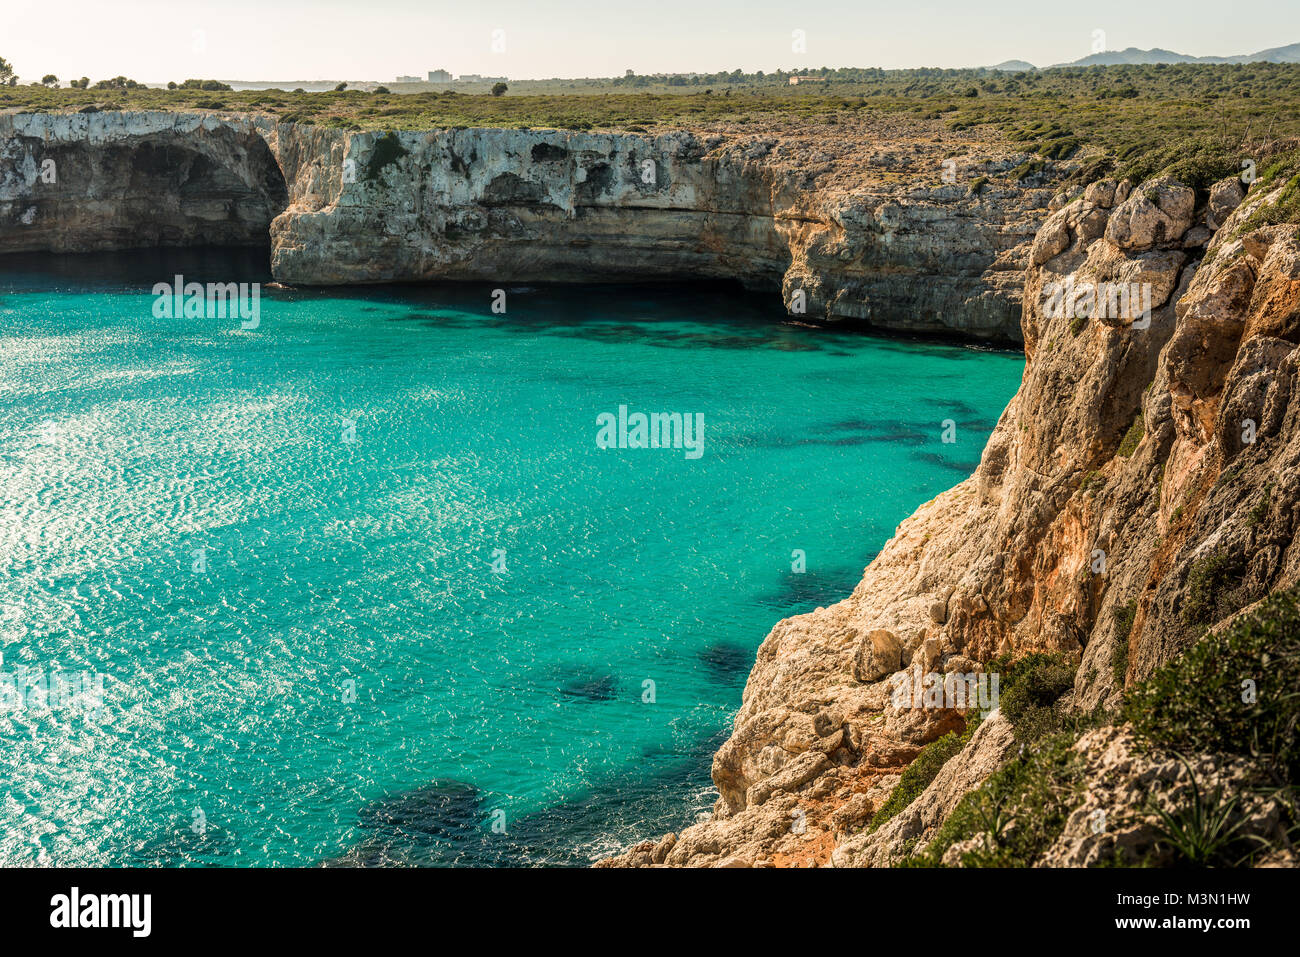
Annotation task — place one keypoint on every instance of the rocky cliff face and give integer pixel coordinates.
(102, 181)
(844, 222)
(1141, 486)
(809, 216)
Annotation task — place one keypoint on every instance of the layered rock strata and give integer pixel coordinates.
(880, 222)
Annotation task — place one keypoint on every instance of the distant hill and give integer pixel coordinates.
(1286, 54)
(1014, 66)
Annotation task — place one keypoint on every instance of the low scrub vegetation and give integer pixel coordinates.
(1196, 122)
(1018, 813)
(1233, 692)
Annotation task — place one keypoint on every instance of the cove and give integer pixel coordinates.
(348, 676)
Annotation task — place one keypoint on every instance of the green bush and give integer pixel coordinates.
(1198, 161)
(1059, 149)
(1207, 831)
(1286, 208)
(1019, 811)
(1260, 508)
(1214, 589)
(1133, 437)
(1028, 168)
(1123, 629)
(1195, 702)
(1029, 691)
(924, 768)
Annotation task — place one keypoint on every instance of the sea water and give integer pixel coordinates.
(362, 585)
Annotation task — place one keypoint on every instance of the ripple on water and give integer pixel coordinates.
(367, 647)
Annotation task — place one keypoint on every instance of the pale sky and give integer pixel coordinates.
(160, 40)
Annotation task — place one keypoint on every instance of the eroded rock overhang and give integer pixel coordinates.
(906, 254)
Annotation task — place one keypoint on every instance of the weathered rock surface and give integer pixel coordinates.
(853, 222)
(101, 181)
(1115, 821)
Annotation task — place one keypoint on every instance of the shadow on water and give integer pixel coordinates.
(726, 662)
(451, 823)
(591, 687)
(189, 843)
(676, 315)
(420, 828)
(134, 268)
(802, 592)
(575, 684)
(964, 469)
(850, 432)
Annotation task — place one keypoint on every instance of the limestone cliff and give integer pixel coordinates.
(102, 181)
(1142, 484)
(853, 222)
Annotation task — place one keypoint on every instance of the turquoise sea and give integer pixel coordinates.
(361, 587)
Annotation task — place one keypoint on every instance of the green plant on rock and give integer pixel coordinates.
(1124, 618)
(1028, 168)
(1233, 692)
(1030, 690)
(924, 768)
(1133, 437)
(388, 149)
(1214, 589)
(1286, 207)
(1206, 831)
(1017, 813)
(1261, 507)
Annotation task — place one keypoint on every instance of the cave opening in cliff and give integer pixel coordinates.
(165, 190)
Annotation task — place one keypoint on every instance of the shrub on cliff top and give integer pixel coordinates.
(1233, 692)
(1286, 208)
(388, 149)
(1196, 161)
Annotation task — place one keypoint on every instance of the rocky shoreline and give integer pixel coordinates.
(1141, 487)
(900, 225)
